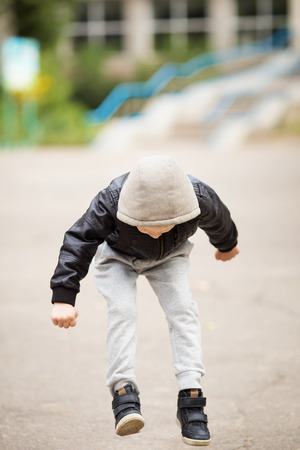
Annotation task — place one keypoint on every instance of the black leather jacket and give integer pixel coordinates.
(100, 223)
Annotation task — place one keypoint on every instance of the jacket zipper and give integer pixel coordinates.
(161, 247)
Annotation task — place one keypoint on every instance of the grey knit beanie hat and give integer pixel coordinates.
(157, 192)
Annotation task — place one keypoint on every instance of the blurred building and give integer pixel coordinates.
(140, 26)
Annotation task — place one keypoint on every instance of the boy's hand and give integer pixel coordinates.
(226, 256)
(64, 315)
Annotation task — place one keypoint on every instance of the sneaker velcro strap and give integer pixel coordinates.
(125, 398)
(196, 416)
(191, 402)
(125, 406)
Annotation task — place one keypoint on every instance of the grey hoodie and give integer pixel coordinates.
(157, 192)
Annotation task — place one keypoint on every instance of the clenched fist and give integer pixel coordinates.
(64, 315)
(227, 256)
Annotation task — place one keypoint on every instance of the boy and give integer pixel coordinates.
(140, 225)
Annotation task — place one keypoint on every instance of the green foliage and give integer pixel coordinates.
(18, 121)
(61, 116)
(90, 84)
(63, 124)
(40, 19)
(56, 67)
(4, 5)
(175, 48)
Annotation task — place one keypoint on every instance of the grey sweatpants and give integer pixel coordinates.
(115, 276)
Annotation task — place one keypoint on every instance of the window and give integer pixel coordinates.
(246, 36)
(196, 8)
(162, 41)
(161, 9)
(113, 10)
(114, 41)
(280, 7)
(246, 7)
(198, 41)
(79, 41)
(81, 13)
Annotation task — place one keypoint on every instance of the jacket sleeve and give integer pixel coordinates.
(215, 220)
(79, 247)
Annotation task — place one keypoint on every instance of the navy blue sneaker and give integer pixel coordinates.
(191, 418)
(126, 407)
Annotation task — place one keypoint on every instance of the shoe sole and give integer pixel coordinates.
(130, 424)
(202, 442)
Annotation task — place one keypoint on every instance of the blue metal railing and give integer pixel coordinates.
(159, 81)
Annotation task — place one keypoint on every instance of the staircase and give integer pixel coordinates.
(218, 113)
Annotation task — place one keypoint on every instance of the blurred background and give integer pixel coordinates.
(69, 67)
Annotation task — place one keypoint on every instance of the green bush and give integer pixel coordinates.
(63, 124)
(43, 20)
(90, 83)
(61, 115)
